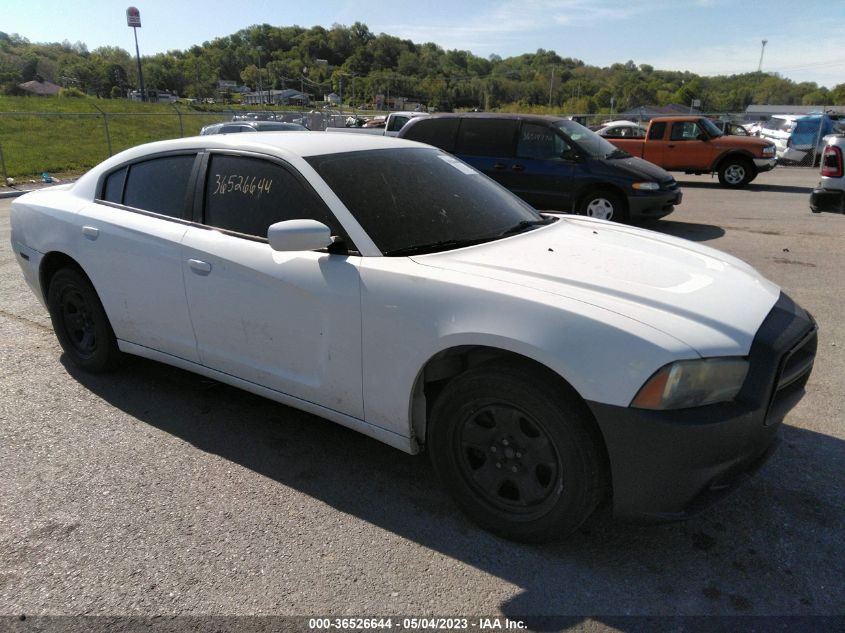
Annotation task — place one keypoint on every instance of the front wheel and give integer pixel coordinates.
(516, 452)
(736, 172)
(80, 322)
(604, 205)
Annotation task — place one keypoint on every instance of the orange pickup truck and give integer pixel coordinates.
(694, 145)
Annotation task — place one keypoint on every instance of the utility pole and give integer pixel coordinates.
(762, 50)
(260, 87)
(551, 84)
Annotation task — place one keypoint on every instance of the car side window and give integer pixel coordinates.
(539, 142)
(486, 137)
(159, 185)
(435, 131)
(685, 131)
(246, 195)
(113, 188)
(657, 130)
(396, 123)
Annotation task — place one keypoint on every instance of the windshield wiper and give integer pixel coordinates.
(525, 224)
(434, 247)
(618, 153)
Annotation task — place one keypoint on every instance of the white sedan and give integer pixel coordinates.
(546, 362)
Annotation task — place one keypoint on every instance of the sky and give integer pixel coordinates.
(805, 39)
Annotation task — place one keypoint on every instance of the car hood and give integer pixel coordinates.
(638, 168)
(750, 143)
(710, 301)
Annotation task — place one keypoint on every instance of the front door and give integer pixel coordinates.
(287, 321)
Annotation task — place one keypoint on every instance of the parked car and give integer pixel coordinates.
(545, 361)
(251, 126)
(388, 125)
(553, 163)
(621, 129)
(796, 136)
(830, 194)
(694, 145)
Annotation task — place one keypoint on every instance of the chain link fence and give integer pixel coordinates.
(32, 143)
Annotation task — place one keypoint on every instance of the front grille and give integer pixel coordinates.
(793, 374)
(780, 360)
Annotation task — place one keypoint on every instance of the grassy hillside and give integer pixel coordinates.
(66, 137)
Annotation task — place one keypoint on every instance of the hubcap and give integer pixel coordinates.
(735, 174)
(78, 322)
(507, 457)
(600, 208)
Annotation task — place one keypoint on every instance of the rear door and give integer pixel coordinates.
(129, 247)
(488, 144)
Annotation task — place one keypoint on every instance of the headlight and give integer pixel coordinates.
(692, 383)
(769, 150)
(646, 186)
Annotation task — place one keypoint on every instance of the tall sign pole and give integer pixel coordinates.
(133, 19)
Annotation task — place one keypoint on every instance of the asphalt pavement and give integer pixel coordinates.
(155, 492)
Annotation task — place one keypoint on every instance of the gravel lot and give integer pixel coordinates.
(153, 491)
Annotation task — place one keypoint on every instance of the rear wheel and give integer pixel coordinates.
(604, 205)
(736, 172)
(80, 323)
(516, 453)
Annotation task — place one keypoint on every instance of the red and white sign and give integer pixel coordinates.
(133, 17)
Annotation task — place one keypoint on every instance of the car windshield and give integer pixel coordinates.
(711, 128)
(412, 201)
(588, 141)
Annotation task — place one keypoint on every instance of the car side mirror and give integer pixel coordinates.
(570, 155)
(298, 235)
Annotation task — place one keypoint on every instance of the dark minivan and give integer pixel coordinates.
(552, 163)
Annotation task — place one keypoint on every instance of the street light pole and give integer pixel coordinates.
(762, 50)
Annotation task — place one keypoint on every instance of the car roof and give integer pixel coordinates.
(496, 115)
(288, 145)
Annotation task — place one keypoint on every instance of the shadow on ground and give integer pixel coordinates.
(753, 186)
(686, 230)
(774, 547)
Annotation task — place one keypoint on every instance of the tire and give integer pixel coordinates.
(516, 453)
(605, 205)
(736, 172)
(80, 323)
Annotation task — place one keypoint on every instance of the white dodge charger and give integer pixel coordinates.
(546, 362)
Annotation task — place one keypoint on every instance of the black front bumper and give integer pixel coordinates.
(832, 200)
(654, 205)
(672, 464)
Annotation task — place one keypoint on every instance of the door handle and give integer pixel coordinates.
(199, 266)
(91, 232)
(499, 166)
(518, 168)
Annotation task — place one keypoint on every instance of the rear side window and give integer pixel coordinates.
(113, 189)
(159, 185)
(247, 195)
(438, 132)
(486, 137)
(657, 130)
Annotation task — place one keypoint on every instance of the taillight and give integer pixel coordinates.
(832, 162)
